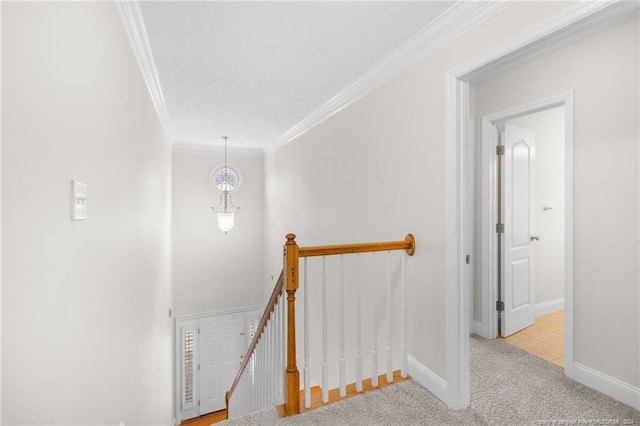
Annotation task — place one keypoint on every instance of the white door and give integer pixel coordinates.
(221, 347)
(517, 209)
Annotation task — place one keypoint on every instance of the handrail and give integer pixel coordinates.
(268, 310)
(409, 245)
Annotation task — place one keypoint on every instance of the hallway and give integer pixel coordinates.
(508, 386)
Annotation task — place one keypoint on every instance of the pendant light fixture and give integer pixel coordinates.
(225, 210)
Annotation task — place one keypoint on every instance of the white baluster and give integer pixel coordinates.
(283, 328)
(252, 366)
(269, 372)
(389, 320)
(403, 316)
(359, 330)
(254, 387)
(283, 344)
(239, 400)
(265, 366)
(245, 387)
(307, 370)
(277, 373)
(242, 391)
(265, 376)
(259, 372)
(274, 361)
(254, 393)
(259, 380)
(251, 387)
(274, 358)
(374, 352)
(263, 370)
(250, 390)
(343, 385)
(270, 358)
(325, 366)
(247, 391)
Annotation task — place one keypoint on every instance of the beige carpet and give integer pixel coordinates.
(508, 387)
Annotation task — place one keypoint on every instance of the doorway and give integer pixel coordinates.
(209, 350)
(462, 189)
(535, 322)
(515, 290)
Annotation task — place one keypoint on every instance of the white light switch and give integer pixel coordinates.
(78, 200)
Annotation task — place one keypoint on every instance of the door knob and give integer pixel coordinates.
(535, 238)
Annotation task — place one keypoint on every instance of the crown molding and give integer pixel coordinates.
(136, 32)
(576, 23)
(461, 17)
(195, 148)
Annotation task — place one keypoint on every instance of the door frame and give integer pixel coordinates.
(571, 25)
(490, 272)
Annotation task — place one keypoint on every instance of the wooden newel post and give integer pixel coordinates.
(292, 375)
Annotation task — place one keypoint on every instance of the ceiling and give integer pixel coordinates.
(255, 70)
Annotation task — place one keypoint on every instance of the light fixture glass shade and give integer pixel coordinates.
(225, 220)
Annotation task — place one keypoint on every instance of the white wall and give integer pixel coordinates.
(603, 71)
(548, 128)
(85, 327)
(376, 171)
(213, 271)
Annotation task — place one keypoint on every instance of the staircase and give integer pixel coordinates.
(358, 302)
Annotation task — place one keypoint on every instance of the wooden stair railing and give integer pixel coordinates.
(292, 254)
(289, 282)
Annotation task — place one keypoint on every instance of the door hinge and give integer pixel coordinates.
(467, 259)
(198, 403)
(500, 150)
(500, 228)
(198, 367)
(500, 306)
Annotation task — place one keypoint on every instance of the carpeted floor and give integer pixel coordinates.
(508, 387)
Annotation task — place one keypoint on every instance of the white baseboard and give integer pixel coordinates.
(549, 306)
(427, 378)
(478, 328)
(616, 389)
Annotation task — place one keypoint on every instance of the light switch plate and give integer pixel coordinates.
(78, 200)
